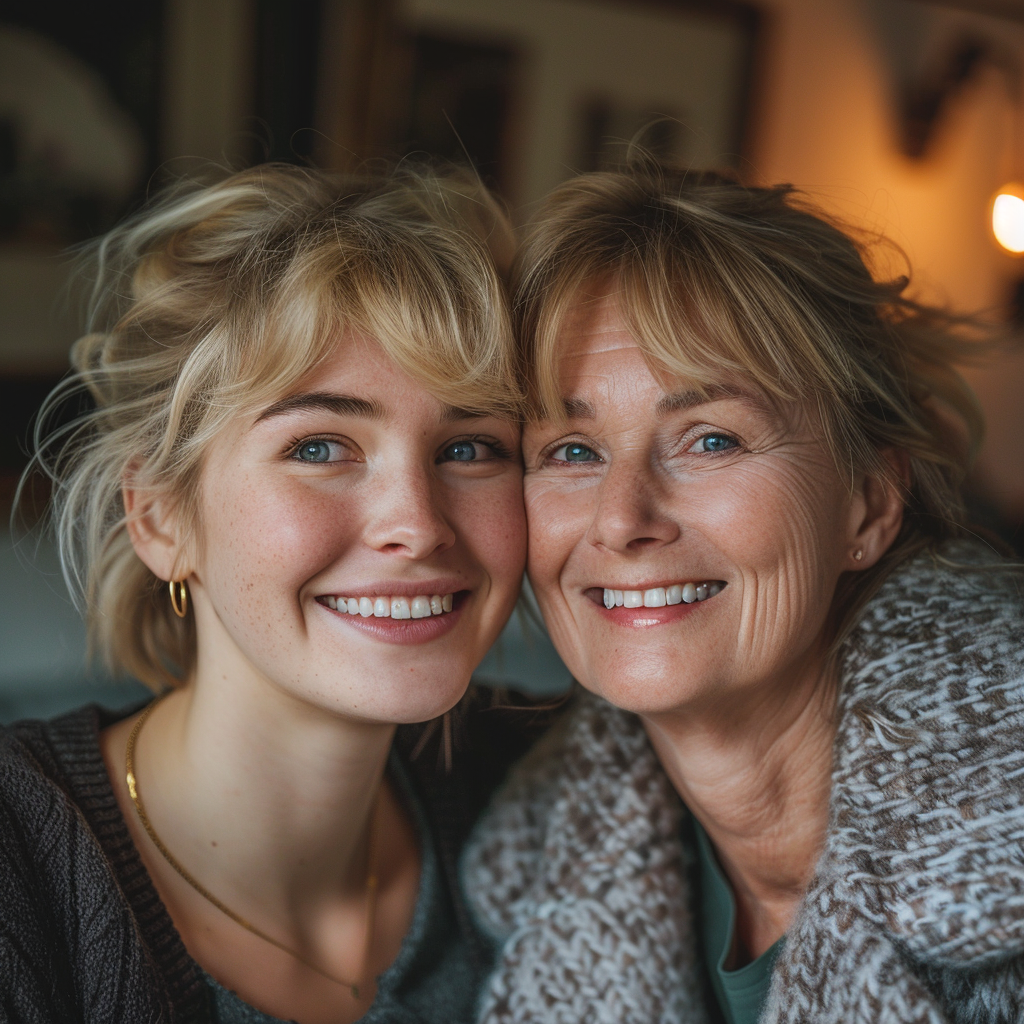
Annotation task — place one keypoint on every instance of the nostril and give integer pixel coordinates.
(642, 543)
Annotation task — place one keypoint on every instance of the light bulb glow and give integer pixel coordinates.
(1008, 218)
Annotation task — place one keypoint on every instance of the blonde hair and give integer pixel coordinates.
(716, 279)
(219, 299)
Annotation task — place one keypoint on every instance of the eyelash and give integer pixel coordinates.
(500, 450)
(548, 455)
(716, 433)
(294, 446)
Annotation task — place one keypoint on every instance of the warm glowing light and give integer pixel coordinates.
(1008, 218)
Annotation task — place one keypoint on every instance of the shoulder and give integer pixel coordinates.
(928, 778)
(53, 781)
(960, 608)
(69, 941)
(35, 787)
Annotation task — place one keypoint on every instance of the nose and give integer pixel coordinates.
(630, 516)
(407, 517)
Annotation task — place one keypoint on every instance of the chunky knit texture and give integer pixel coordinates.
(916, 909)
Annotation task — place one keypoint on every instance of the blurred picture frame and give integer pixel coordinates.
(532, 92)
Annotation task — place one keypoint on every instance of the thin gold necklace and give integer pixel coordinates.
(371, 877)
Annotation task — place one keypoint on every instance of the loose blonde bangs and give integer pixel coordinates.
(221, 301)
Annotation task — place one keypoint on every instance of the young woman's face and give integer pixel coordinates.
(362, 543)
(723, 523)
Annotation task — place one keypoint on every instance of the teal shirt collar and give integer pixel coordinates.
(741, 993)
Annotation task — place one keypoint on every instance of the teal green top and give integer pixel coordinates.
(740, 994)
(431, 981)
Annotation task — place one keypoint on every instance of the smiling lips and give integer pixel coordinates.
(384, 607)
(659, 597)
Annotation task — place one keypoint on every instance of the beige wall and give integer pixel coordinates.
(827, 122)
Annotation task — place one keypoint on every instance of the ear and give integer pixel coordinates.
(878, 515)
(153, 530)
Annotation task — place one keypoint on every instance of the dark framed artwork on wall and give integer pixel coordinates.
(534, 91)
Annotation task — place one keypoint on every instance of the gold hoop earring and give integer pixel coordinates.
(857, 555)
(179, 597)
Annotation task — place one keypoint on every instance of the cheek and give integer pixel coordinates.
(768, 514)
(263, 539)
(783, 528)
(557, 520)
(492, 523)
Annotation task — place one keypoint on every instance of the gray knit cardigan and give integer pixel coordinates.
(916, 909)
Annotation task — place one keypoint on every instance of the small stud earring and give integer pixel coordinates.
(858, 554)
(179, 597)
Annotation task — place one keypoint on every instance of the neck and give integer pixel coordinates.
(266, 798)
(756, 773)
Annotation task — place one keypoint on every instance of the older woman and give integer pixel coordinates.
(795, 791)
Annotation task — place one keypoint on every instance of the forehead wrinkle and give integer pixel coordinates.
(341, 405)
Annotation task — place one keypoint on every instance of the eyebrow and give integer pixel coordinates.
(352, 405)
(341, 405)
(579, 409)
(676, 401)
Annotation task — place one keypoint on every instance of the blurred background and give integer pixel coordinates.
(901, 116)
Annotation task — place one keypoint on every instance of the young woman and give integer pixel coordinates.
(297, 511)
(796, 790)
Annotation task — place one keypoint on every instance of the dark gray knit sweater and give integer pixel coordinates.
(85, 938)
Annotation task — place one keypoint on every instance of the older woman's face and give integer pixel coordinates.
(653, 496)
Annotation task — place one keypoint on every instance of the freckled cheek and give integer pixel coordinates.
(492, 524)
(557, 522)
(259, 532)
(779, 530)
(762, 520)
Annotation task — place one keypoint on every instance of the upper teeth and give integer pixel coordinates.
(419, 607)
(658, 597)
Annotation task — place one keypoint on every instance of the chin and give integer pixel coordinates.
(406, 702)
(647, 694)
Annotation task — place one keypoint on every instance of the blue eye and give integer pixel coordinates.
(714, 443)
(460, 451)
(314, 451)
(475, 449)
(574, 453)
(323, 451)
